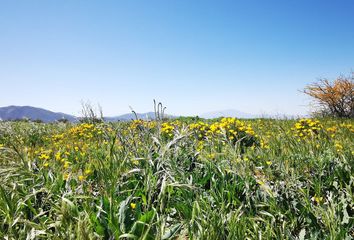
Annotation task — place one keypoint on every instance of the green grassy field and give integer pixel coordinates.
(180, 179)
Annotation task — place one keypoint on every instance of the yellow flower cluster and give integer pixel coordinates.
(200, 129)
(339, 147)
(74, 145)
(85, 130)
(331, 131)
(167, 129)
(233, 128)
(226, 130)
(138, 123)
(305, 128)
(264, 144)
(348, 126)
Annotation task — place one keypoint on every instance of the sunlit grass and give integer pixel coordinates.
(178, 179)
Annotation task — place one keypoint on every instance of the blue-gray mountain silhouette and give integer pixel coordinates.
(32, 113)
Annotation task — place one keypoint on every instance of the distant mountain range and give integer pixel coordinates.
(33, 113)
(130, 116)
(227, 113)
(237, 114)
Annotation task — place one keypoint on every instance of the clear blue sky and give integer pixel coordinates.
(194, 56)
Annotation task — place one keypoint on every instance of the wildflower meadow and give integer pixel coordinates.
(185, 178)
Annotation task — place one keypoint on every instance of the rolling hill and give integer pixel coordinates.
(33, 113)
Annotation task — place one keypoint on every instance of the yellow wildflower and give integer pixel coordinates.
(66, 164)
(317, 199)
(66, 176)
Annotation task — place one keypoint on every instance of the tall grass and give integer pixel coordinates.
(168, 180)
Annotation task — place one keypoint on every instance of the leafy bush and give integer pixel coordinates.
(335, 98)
